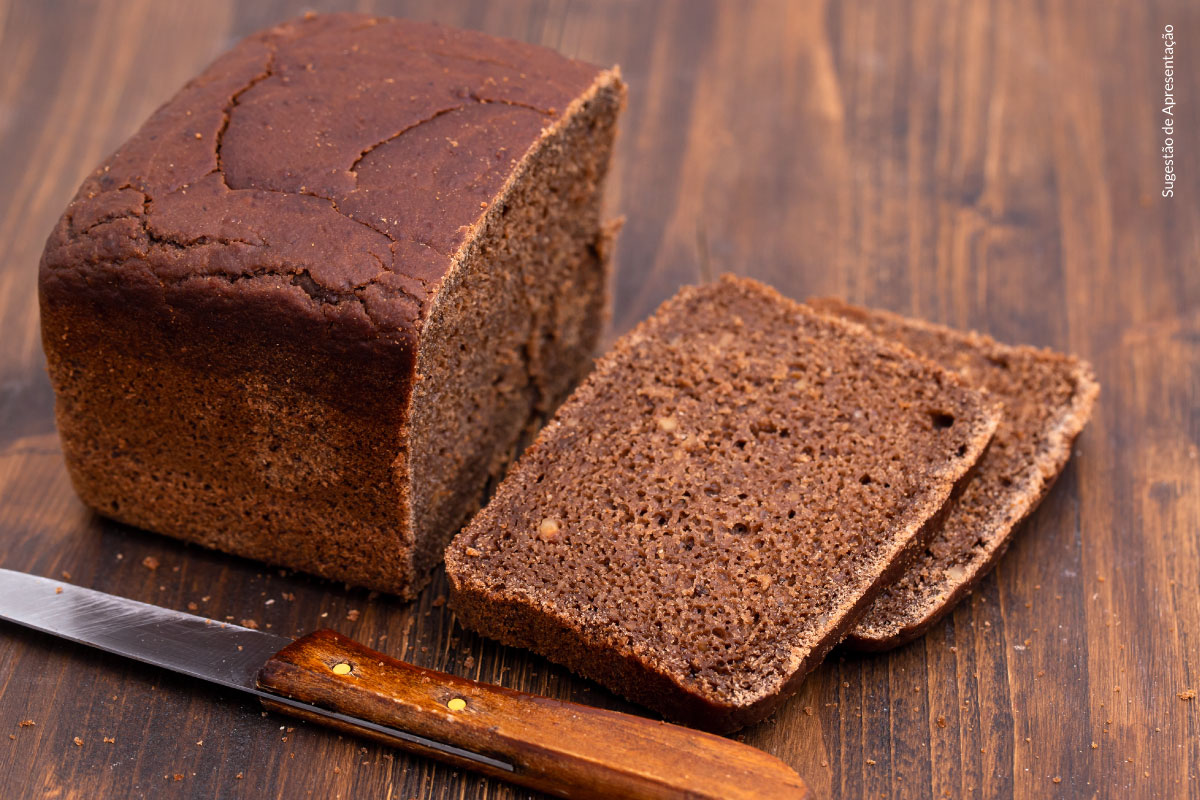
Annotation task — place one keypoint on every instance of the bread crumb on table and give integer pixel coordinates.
(352, 614)
(249, 623)
(109, 740)
(150, 563)
(25, 723)
(78, 741)
(1187, 694)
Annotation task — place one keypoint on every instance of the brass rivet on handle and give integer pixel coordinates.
(456, 704)
(341, 669)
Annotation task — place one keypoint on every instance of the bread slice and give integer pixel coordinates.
(715, 505)
(1047, 400)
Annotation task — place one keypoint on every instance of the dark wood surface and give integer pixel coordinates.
(994, 165)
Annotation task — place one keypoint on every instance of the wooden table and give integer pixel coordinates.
(994, 166)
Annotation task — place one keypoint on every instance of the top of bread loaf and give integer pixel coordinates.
(331, 166)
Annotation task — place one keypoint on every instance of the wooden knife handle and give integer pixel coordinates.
(549, 745)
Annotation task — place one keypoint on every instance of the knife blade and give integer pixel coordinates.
(557, 747)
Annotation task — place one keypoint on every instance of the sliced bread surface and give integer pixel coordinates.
(1047, 399)
(715, 505)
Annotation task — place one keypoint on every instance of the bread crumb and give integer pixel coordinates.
(78, 741)
(150, 563)
(58, 590)
(1057, 779)
(469, 662)
(109, 740)
(439, 601)
(808, 710)
(471, 551)
(549, 530)
(870, 762)
(25, 723)
(193, 607)
(1094, 745)
(941, 721)
(352, 615)
(249, 623)
(178, 776)
(200, 743)
(238, 776)
(1187, 694)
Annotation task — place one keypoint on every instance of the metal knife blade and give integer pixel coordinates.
(551, 745)
(218, 652)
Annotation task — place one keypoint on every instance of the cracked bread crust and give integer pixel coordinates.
(235, 304)
(313, 155)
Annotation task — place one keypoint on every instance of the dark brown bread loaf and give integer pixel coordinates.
(308, 310)
(714, 506)
(1047, 399)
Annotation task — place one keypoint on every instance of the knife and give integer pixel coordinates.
(553, 746)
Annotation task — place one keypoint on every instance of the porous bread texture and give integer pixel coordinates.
(308, 310)
(516, 322)
(1047, 399)
(713, 507)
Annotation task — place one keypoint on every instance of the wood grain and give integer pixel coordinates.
(993, 165)
(565, 749)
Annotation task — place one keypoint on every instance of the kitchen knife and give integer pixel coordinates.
(549, 745)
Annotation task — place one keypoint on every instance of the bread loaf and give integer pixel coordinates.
(307, 311)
